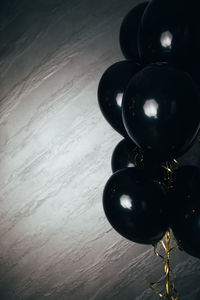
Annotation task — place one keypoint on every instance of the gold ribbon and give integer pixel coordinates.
(167, 181)
(171, 293)
(169, 168)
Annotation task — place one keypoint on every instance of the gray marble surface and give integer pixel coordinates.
(55, 150)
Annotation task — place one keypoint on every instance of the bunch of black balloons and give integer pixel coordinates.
(153, 100)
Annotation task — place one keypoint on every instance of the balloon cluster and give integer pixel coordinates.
(153, 100)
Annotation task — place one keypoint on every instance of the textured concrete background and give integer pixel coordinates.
(55, 149)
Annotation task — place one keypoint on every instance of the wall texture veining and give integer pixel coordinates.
(55, 150)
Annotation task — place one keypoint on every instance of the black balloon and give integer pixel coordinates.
(185, 209)
(123, 155)
(111, 89)
(195, 74)
(129, 32)
(195, 47)
(166, 31)
(126, 155)
(136, 206)
(161, 111)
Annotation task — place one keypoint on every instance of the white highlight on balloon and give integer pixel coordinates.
(130, 165)
(119, 99)
(126, 201)
(166, 39)
(151, 108)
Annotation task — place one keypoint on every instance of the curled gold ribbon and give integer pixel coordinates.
(171, 293)
(169, 167)
(167, 181)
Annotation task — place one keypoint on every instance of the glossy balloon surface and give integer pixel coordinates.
(111, 89)
(161, 111)
(166, 31)
(136, 206)
(195, 47)
(123, 155)
(129, 32)
(185, 209)
(195, 74)
(126, 155)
